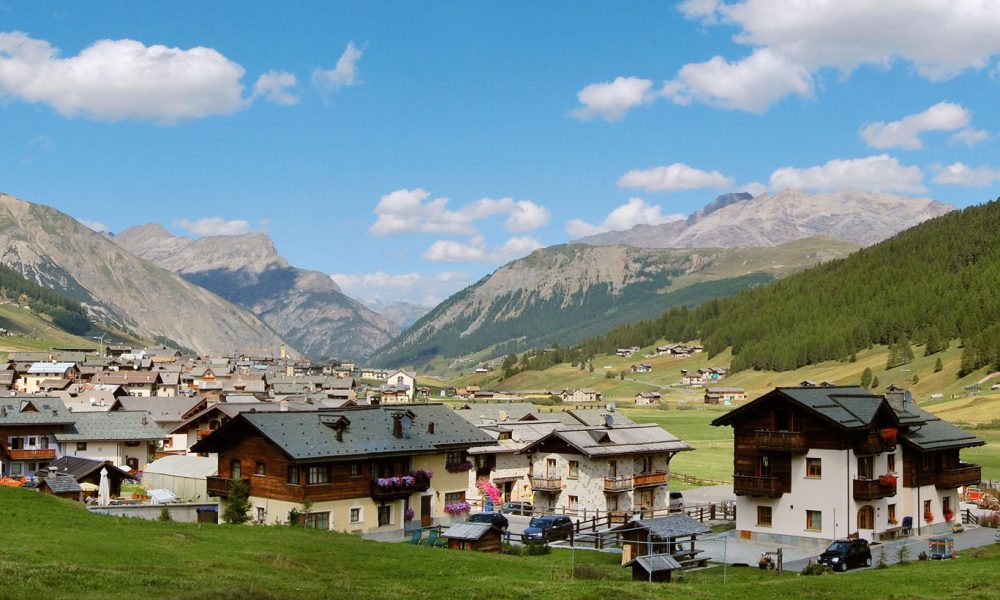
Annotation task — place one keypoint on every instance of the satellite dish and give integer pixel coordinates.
(93, 401)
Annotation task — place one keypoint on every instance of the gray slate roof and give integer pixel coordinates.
(654, 563)
(62, 484)
(16, 410)
(112, 426)
(467, 531)
(310, 436)
(850, 407)
(618, 440)
(671, 526)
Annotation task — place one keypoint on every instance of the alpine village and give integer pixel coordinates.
(247, 368)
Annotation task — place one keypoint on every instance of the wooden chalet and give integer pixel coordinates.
(805, 454)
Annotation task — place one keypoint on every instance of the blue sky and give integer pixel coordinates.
(339, 128)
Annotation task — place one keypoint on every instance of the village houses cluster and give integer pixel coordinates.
(361, 450)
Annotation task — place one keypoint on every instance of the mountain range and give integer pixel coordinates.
(306, 308)
(54, 250)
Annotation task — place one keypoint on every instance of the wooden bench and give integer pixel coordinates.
(693, 562)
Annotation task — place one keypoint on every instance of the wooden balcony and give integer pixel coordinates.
(546, 484)
(617, 485)
(749, 485)
(781, 441)
(872, 489)
(219, 486)
(394, 492)
(651, 479)
(962, 475)
(873, 443)
(47, 454)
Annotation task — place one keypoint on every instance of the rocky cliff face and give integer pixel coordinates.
(55, 250)
(736, 220)
(306, 308)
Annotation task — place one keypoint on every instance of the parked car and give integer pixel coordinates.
(493, 518)
(842, 555)
(548, 528)
(676, 502)
(517, 508)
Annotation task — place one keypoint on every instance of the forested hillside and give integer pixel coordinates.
(937, 281)
(66, 314)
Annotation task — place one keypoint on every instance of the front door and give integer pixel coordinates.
(425, 511)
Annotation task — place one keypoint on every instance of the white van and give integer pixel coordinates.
(676, 502)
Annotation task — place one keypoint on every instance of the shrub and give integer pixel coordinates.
(238, 507)
(903, 554)
(922, 555)
(814, 568)
(165, 514)
(881, 564)
(536, 549)
(662, 406)
(991, 519)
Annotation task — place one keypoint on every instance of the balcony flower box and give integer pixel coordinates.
(888, 480)
(888, 434)
(928, 517)
(408, 514)
(948, 516)
(414, 479)
(459, 467)
(457, 508)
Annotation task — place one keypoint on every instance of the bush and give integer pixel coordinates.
(881, 564)
(165, 514)
(903, 554)
(814, 568)
(922, 555)
(990, 520)
(238, 506)
(535, 549)
(662, 406)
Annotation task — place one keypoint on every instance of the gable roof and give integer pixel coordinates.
(79, 467)
(368, 432)
(617, 440)
(34, 410)
(671, 526)
(112, 426)
(654, 563)
(60, 484)
(467, 531)
(846, 407)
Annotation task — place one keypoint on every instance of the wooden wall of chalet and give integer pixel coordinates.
(919, 468)
(274, 483)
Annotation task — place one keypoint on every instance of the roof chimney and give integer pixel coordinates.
(397, 425)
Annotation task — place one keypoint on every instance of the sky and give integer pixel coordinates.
(411, 148)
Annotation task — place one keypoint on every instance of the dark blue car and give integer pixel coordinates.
(544, 529)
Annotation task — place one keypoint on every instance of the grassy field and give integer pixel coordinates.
(55, 549)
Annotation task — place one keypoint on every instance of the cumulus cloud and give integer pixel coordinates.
(405, 211)
(752, 84)
(476, 250)
(970, 137)
(344, 74)
(273, 86)
(628, 215)
(114, 80)
(964, 175)
(95, 225)
(416, 288)
(881, 173)
(213, 226)
(754, 188)
(671, 178)
(905, 133)
(611, 100)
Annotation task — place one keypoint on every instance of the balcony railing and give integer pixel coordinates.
(617, 485)
(219, 486)
(962, 475)
(749, 485)
(781, 441)
(393, 488)
(872, 489)
(47, 454)
(874, 443)
(546, 484)
(650, 479)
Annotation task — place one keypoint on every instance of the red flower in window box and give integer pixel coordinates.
(948, 516)
(888, 434)
(928, 517)
(887, 480)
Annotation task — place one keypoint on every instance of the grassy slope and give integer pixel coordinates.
(54, 549)
(35, 331)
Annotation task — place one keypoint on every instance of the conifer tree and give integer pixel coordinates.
(938, 366)
(875, 383)
(866, 377)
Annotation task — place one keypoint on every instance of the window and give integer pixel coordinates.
(764, 466)
(318, 474)
(866, 467)
(945, 505)
(235, 469)
(550, 468)
(355, 469)
(32, 441)
(293, 475)
(928, 515)
(892, 514)
(319, 520)
(574, 502)
(355, 514)
(612, 469)
(385, 515)
(574, 469)
(814, 520)
(454, 458)
(16, 469)
(891, 463)
(81, 446)
(259, 468)
(454, 497)
(866, 517)
(261, 515)
(764, 516)
(814, 468)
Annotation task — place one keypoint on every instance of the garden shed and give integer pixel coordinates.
(481, 537)
(654, 568)
(673, 536)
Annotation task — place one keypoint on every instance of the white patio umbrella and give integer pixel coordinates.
(104, 490)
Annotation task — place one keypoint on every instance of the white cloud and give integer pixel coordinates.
(881, 173)
(671, 178)
(611, 100)
(273, 86)
(95, 225)
(114, 80)
(704, 10)
(754, 188)
(905, 133)
(417, 288)
(475, 250)
(214, 226)
(970, 137)
(344, 74)
(752, 84)
(405, 211)
(628, 215)
(964, 175)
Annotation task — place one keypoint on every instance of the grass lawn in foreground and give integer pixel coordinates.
(54, 549)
